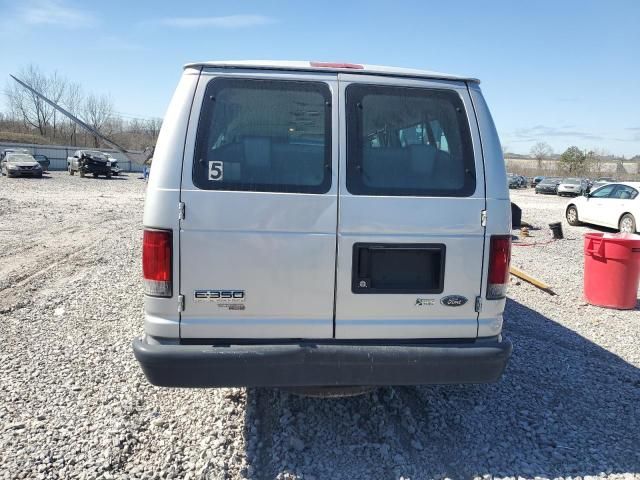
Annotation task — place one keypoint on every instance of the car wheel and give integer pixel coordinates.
(95, 175)
(627, 224)
(108, 175)
(70, 170)
(81, 172)
(572, 216)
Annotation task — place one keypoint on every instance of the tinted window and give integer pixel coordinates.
(603, 192)
(625, 192)
(264, 135)
(408, 141)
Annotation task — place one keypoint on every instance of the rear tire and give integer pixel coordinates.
(81, 172)
(627, 224)
(572, 216)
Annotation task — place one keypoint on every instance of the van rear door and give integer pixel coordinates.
(410, 230)
(259, 184)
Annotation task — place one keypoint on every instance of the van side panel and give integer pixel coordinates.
(162, 318)
(498, 207)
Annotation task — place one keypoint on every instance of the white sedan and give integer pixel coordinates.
(615, 205)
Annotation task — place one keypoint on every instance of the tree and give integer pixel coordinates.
(596, 159)
(97, 112)
(31, 109)
(73, 101)
(573, 161)
(540, 151)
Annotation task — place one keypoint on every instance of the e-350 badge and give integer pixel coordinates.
(230, 299)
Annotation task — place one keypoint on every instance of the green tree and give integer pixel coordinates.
(573, 161)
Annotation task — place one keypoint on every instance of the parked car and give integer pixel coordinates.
(115, 168)
(513, 181)
(523, 181)
(6, 151)
(548, 185)
(43, 160)
(89, 162)
(600, 182)
(516, 181)
(20, 165)
(614, 205)
(536, 180)
(244, 284)
(572, 187)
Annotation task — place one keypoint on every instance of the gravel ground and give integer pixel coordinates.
(74, 404)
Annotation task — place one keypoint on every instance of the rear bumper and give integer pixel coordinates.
(315, 364)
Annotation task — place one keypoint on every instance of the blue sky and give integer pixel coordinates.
(565, 72)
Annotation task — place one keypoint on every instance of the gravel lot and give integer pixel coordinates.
(74, 404)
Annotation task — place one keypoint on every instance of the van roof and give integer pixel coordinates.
(331, 67)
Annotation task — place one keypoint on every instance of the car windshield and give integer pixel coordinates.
(96, 154)
(571, 181)
(19, 157)
(549, 181)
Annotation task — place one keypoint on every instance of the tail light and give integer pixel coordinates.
(499, 259)
(156, 262)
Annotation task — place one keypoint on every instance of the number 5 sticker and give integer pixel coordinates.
(215, 171)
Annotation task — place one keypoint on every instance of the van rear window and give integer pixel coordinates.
(265, 136)
(408, 141)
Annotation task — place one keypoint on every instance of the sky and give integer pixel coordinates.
(565, 72)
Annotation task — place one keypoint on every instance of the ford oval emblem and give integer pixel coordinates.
(453, 301)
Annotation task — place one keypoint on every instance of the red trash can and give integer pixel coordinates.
(611, 269)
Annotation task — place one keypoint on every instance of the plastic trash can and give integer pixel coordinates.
(611, 269)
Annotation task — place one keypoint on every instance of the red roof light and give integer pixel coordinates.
(353, 66)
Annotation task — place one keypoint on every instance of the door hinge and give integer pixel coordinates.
(181, 211)
(483, 218)
(478, 304)
(180, 303)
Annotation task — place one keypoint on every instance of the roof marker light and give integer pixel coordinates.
(353, 66)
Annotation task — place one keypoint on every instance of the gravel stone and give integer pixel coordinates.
(75, 404)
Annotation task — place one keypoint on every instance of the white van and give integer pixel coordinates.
(318, 224)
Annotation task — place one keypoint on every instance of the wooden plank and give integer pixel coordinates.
(532, 280)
